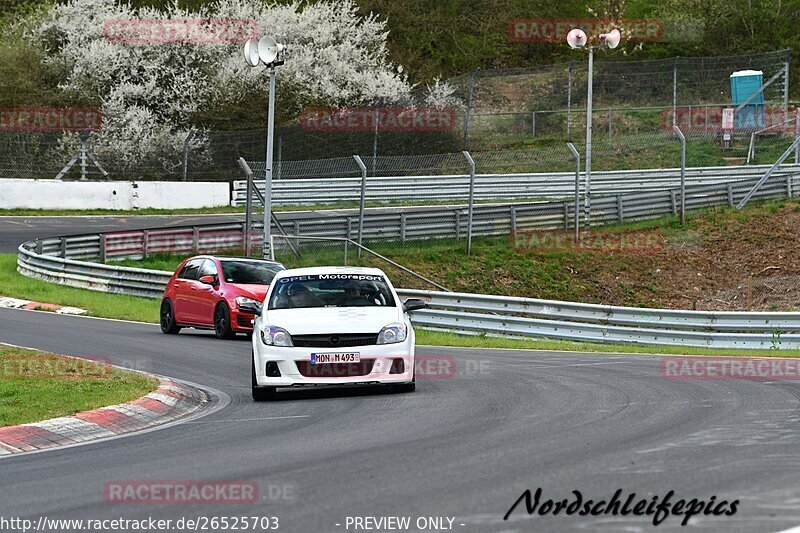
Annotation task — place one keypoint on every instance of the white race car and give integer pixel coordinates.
(332, 326)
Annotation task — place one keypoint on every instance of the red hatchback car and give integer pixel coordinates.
(205, 292)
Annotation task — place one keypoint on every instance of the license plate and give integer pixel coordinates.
(325, 358)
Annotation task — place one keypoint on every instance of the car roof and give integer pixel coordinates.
(238, 258)
(330, 270)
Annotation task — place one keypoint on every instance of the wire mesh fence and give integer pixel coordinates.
(529, 109)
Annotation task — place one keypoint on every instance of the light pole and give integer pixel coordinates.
(577, 39)
(269, 52)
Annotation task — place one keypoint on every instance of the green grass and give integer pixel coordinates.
(97, 304)
(38, 385)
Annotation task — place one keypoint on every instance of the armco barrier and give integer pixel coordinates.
(57, 260)
(497, 315)
(309, 191)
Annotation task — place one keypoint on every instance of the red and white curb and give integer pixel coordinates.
(16, 303)
(171, 401)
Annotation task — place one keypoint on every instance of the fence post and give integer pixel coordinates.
(376, 118)
(469, 106)
(279, 163)
(186, 155)
(569, 100)
(797, 134)
(533, 124)
(363, 169)
(471, 204)
(513, 220)
(102, 247)
(195, 240)
(682, 138)
(145, 242)
(587, 191)
(730, 195)
(675, 93)
(248, 213)
(402, 227)
(577, 223)
(786, 84)
(83, 159)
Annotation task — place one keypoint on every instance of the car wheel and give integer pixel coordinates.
(222, 322)
(168, 318)
(261, 394)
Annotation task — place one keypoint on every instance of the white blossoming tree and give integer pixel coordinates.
(149, 92)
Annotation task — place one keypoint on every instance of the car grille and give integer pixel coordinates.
(329, 370)
(335, 341)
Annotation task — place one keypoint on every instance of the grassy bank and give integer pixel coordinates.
(38, 385)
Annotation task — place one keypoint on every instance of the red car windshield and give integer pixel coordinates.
(249, 272)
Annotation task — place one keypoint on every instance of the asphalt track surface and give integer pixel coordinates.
(465, 445)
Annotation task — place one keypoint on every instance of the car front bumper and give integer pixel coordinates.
(293, 362)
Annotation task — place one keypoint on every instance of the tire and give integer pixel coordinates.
(260, 394)
(222, 322)
(168, 325)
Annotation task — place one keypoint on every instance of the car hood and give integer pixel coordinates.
(325, 320)
(257, 292)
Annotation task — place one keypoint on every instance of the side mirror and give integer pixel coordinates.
(412, 304)
(251, 307)
(208, 280)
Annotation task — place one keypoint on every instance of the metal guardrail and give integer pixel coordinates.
(55, 260)
(528, 317)
(495, 315)
(287, 192)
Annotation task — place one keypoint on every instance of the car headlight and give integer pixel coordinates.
(243, 300)
(275, 336)
(393, 333)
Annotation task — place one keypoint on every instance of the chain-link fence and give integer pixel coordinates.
(488, 110)
(518, 105)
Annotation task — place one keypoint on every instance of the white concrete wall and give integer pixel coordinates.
(127, 195)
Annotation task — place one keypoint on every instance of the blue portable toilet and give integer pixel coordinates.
(743, 84)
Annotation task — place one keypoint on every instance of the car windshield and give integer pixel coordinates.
(249, 272)
(331, 290)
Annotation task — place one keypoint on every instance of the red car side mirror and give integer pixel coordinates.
(208, 280)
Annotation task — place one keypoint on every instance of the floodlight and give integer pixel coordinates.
(251, 52)
(611, 38)
(268, 49)
(576, 38)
